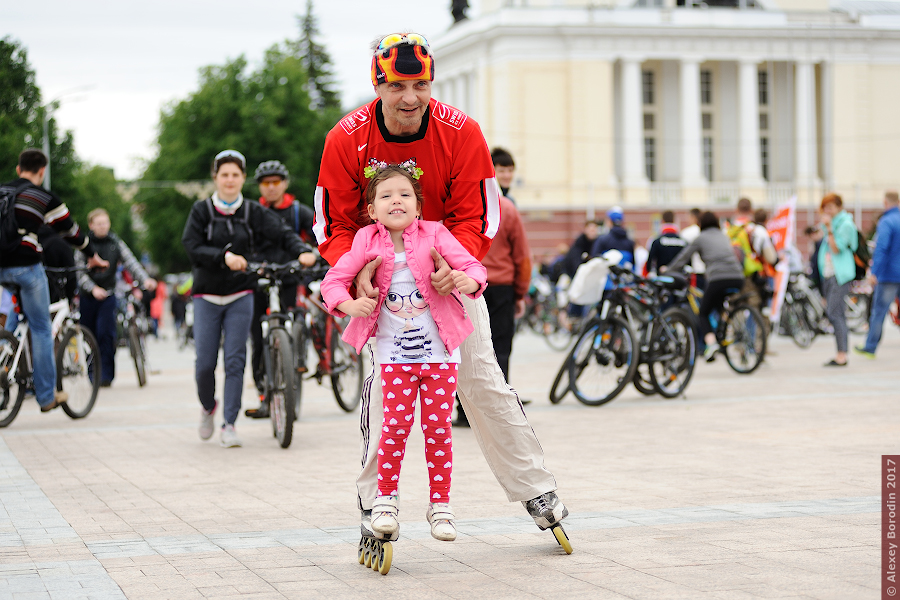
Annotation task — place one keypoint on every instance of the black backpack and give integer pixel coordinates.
(10, 238)
(214, 216)
(861, 256)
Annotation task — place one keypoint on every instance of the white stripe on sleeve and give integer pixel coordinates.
(319, 225)
(492, 199)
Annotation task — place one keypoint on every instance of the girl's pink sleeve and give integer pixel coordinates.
(337, 282)
(459, 258)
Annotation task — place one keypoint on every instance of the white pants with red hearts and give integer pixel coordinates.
(434, 384)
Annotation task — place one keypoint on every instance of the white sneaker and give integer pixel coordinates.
(441, 518)
(230, 438)
(385, 510)
(206, 422)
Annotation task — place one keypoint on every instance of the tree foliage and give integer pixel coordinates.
(80, 186)
(264, 113)
(317, 62)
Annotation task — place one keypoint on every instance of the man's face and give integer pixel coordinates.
(99, 226)
(505, 175)
(590, 231)
(273, 188)
(403, 104)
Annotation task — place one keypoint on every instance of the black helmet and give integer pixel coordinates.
(271, 167)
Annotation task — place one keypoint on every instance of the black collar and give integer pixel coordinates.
(401, 139)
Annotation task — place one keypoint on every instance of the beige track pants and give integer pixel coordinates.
(494, 411)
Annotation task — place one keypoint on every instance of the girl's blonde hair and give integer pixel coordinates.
(389, 172)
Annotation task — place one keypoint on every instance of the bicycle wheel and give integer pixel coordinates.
(642, 381)
(561, 385)
(12, 391)
(301, 345)
(136, 347)
(744, 342)
(856, 309)
(604, 360)
(78, 370)
(554, 330)
(346, 372)
(797, 326)
(282, 379)
(673, 352)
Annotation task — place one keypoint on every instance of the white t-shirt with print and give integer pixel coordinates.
(407, 332)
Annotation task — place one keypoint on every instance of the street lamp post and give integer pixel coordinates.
(48, 113)
(49, 109)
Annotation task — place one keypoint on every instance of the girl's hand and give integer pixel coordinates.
(361, 307)
(464, 283)
(235, 262)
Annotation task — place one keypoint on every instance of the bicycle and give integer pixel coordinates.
(608, 352)
(281, 382)
(132, 328)
(337, 359)
(545, 313)
(741, 333)
(77, 358)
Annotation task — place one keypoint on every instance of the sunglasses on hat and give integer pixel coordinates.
(231, 153)
(395, 39)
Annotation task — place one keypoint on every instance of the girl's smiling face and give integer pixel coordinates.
(395, 204)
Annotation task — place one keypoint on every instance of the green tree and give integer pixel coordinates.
(95, 187)
(264, 113)
(81, 187)
(20, 102)
(317, 63)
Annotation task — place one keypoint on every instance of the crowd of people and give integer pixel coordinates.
(407, 211)
(737, 253)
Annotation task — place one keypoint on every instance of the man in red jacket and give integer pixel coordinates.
(406, 125)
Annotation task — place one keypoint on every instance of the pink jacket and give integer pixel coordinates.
(419, 238)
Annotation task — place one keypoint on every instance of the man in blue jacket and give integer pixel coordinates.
(885, 271)
(616, 238)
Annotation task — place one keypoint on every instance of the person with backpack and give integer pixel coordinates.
(754, 247)
(221, 233)
(837, 267)
(98, 290)
(273, 179)
(885, 271)
(24, 207)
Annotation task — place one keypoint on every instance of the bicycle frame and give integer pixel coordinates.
(60, 312)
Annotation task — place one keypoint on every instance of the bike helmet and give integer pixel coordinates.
(269, 168)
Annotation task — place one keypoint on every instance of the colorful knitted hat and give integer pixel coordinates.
(402, 57)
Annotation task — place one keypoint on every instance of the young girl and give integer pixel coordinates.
(417, 334)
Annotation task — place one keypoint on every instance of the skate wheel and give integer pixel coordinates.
(361, 551)
(367, 559)
(387, 554)
(562, 539)
(376, 551)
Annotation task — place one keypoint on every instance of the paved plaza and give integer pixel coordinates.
(761, 486)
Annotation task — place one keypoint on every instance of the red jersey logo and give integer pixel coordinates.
(355, 120)
(451, 116)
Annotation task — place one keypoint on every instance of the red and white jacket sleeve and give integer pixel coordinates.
(473, 205)
(338, 199)
(460, 259)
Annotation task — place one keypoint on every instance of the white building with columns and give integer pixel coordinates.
(653, 105)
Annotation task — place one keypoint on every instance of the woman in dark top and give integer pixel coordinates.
(219, 237)
(723, 273)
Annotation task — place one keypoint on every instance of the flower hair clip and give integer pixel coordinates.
(376, 165)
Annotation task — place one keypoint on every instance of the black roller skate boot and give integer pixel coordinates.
(547, 511)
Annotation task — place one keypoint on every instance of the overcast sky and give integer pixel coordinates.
(138, 56)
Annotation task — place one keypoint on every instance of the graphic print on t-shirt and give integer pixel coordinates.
(411, 339)
(407, 332)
